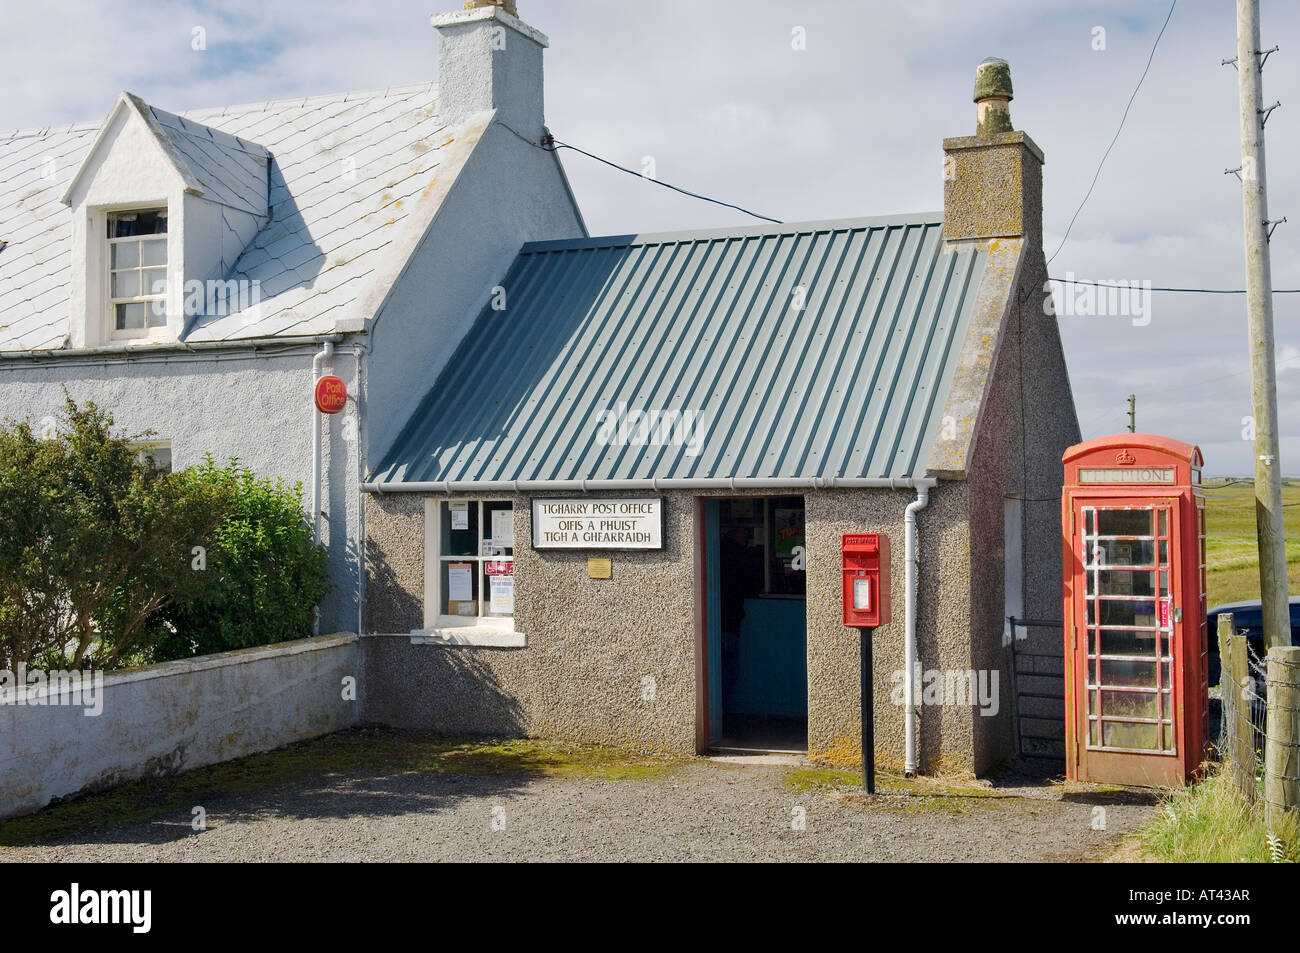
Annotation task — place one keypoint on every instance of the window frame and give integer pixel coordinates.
(434, 618)
(145, 450)
(147, 333)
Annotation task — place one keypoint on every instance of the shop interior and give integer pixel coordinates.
(757, 640)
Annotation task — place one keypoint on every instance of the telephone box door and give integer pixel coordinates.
(1126, 641)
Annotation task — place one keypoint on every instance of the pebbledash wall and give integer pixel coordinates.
(591, 642)
(172, 717)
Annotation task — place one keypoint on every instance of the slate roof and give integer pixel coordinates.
(229, 170)
(808, 350)
(345, 174)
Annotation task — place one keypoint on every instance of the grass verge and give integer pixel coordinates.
(1209, 822)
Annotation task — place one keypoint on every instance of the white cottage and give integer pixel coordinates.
(194, 272)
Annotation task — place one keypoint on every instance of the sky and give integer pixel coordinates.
(819, 110)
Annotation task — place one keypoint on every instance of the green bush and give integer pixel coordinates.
(266, 574)
(94, 542)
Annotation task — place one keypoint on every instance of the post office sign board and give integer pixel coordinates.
(588, 523)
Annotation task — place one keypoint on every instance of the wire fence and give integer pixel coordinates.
(1244, 718)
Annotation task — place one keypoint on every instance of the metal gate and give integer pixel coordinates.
(1038, 687)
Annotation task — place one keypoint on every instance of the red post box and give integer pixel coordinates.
(1133, 529)
(865, 562)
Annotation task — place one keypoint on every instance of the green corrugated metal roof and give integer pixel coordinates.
(852, 384)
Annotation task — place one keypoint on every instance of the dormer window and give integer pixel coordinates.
(137, 275)
(159, 204)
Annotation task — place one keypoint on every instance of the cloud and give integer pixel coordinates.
(850, 125)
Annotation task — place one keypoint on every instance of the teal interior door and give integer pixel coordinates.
(713, 616)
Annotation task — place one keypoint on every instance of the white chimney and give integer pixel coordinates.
(490, 59)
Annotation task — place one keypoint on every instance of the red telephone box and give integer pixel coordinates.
(1133, 527)
(865, 564)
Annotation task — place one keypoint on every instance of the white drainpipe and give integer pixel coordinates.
(910, 561)
(326, 350)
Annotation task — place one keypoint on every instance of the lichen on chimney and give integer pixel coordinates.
(992, 97)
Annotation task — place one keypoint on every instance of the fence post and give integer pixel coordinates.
(1282, 744)
(1241, 738)
(1226, 697)
(1229, 694)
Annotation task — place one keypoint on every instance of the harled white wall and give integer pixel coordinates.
(241, 403)
(173, 717)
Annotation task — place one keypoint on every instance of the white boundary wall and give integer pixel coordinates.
(176, 716)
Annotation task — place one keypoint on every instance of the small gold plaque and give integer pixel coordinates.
(600, 568)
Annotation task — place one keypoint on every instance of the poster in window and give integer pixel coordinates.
(460, 582)
(789, 529)
(503, 528)
(459, 516)
(502, 595)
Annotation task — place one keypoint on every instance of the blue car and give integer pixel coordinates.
(1247, 617)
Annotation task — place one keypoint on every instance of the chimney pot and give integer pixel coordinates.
(507, 5)
(993, 180)
(992, 96)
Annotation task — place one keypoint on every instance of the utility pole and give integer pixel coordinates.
(1259, 313)
(1132, 413)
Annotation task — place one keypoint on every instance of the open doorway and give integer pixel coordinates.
(756, 633)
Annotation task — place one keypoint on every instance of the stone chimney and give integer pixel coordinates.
(993, 180)
(490, 59)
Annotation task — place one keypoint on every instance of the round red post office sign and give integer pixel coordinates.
(331, 394)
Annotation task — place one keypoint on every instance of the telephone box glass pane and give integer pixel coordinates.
(1124, 734)
(1128, 642)
(1129, 632)
(1127, 674)
(1124, 523)
(1124, 552)
(1128, 705)
(1126, 613)
(1126, 582)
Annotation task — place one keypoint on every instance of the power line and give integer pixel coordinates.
(1183, 290)
(551, 144)
(1199, 291)
(1097, 174)
(555, 144)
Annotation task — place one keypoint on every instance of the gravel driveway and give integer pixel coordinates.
(698, 810)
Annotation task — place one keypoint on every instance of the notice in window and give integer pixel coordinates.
(460, 582)
(460, 516)
(502, 595)
(503, 528)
